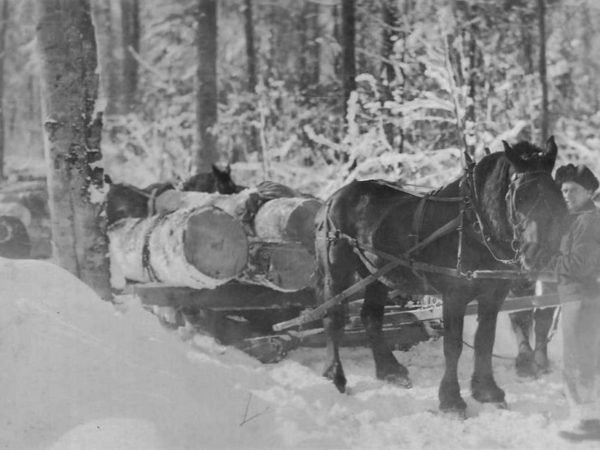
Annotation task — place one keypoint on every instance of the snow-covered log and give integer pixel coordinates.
(281, 234)
(195, 247)
(172, 200)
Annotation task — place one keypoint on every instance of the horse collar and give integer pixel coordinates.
(494, 247)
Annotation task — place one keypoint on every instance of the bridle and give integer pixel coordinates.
(517, 219)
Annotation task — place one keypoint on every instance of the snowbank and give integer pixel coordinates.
(78, 374)
(72, 364)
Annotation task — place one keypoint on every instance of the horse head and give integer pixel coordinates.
(223, 182)
(217, 180)
(533, 203)
(124, 200)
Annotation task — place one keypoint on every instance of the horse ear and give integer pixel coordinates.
(215, 169)
(551, 152)
(510, 153)
(107, 179)
(513, 156)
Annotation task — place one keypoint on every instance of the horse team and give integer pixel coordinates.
(502, 215)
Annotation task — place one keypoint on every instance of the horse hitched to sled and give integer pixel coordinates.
(468, 240)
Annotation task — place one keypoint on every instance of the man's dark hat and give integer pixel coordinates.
(577, 174)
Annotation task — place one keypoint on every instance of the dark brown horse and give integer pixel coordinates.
(217, 180)
(502, 215)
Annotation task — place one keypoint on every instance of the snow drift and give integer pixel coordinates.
(79, 373)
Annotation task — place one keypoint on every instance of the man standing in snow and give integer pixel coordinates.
(577, 267)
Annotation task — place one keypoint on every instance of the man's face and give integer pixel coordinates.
(575, 195)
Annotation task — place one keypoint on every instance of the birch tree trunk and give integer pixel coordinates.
(67, 51)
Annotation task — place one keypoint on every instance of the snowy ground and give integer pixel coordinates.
(79, 374)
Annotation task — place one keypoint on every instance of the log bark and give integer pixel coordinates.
(195, 247)
(288, 219)
(283, 266)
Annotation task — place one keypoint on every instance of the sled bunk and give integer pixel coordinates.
(243, 315)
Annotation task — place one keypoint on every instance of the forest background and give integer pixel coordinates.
(431, 77)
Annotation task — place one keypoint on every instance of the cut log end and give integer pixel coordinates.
(215, 244)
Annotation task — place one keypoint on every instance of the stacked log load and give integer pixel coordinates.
(203, 240)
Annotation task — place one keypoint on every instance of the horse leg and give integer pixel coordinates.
(483, 385)
(449, 392)
(387, 366)
(333, 324)
(543, 322)
(338, 266)
(521, 323)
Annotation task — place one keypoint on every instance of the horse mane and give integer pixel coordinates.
(492, 174)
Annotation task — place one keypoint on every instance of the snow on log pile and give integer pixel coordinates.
(197, 247)
(278, 241)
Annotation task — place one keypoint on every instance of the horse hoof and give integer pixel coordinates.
(501, 405)
(542, 363)
(336, 374)
(530, 370)
(454, 406)
(457, 412)
(526, 366)
(486, 390)
(398, 380)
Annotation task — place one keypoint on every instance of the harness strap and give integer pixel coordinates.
(152, 202)
(321, 310)
(417, 223)
(146, 262)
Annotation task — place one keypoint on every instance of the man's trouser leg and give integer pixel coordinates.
(581, 361)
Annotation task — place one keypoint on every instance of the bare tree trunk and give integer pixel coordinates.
(206, 75)
(4, 24)
(543, 78)
(389, 17)
(348, 50)
(110, 83)
(253, 143)
(130, 20)
(67, 50)
(473, 80)
(250, 50)
(308, 57)
(327, 54)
